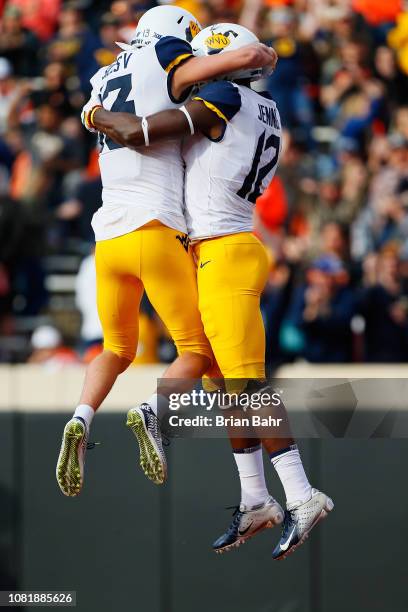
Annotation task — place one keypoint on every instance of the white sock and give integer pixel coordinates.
(289, 467)
(251, 473)
(159, 404)
(85, 412)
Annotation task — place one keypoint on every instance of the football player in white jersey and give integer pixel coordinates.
(229, 162)
(140, 230)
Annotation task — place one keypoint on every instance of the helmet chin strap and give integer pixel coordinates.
(244, 82)
(246, 75)
(124, 46)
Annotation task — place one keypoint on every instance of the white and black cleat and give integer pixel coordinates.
(146, 427)
(247, 523)
(300, 520)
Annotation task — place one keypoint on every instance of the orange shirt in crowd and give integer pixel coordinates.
(378, 11)
(20, 176)
(40, 16)
(92, 169)
(272, 205)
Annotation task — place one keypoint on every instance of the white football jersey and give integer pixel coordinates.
(139, 186)
(224, 177)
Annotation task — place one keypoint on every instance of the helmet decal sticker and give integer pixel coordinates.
(192, 30)
(217, 41)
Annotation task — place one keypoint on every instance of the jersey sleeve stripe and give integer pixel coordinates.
(170, 51)
(177, 61)
(213, 108)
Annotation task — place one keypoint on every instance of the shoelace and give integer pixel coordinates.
(153, 424)
(85, 442)
(152, 420)
(287, 523)
(237, 515)
(92, 445)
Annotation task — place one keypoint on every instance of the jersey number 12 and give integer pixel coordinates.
(251, 187)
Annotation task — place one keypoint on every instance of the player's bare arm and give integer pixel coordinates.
(200, 69)
(127, 129)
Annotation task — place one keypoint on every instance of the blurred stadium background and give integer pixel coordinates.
(335, 221)
(335, 218)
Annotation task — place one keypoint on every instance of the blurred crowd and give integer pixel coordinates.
(334, 219)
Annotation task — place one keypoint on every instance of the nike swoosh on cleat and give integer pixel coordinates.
(241, 533)
(202, 264)
(285, 546)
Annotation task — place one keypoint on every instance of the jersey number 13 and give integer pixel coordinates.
(121, 104)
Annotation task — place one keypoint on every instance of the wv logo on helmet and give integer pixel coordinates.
(217, 42)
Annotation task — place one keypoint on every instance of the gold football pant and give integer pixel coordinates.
(154, 258)
(232, 272)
